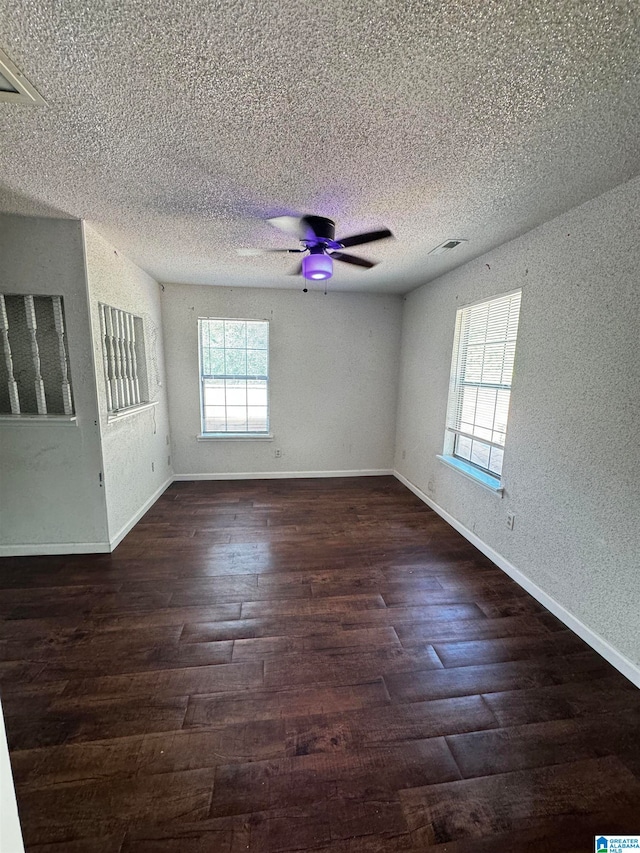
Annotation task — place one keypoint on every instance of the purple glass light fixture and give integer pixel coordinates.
(317, 266)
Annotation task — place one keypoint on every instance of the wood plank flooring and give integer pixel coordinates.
(304, 665)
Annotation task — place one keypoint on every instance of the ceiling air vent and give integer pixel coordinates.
(447, 246)
(14, 87)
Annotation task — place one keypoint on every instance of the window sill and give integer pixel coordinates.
(472, 473)
(234, 436)
(38, 420)
(131, 410)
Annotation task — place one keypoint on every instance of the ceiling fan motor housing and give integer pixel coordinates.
(323, 228)
(317, 249)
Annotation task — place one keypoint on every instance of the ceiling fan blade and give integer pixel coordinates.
(368, 237)
(252, 253)
(352, 259)
(288, 224)
(297, 226)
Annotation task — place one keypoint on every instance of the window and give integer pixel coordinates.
(34, 365)
(123, 357)
(481, 371)
(234, 376)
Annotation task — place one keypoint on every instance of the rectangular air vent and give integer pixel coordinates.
(447, 246)
(14, 87)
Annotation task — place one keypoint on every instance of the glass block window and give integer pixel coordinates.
(34, 363)
(480, 390)
(123, 358)
(234, 376)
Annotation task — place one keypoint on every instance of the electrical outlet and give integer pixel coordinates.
(511, 520)
(278, 453)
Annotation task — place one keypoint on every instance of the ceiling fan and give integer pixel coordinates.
(319, 246)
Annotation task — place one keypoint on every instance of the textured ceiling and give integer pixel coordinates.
(174, 127)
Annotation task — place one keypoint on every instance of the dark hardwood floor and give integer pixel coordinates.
(304, 665)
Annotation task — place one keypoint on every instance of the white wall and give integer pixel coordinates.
(51, 499)
(135, 447)
(333, 370)
(10, 832)
(572, 464)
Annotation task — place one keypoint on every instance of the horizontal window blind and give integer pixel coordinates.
(234, 376)
(481, 373)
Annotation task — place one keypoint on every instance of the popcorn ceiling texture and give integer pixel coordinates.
(175, 127)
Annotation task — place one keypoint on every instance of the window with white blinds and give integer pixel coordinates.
(234, 376)
(481, 373)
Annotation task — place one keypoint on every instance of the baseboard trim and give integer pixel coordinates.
(54, 550)
(629, 669)
(284, 475)
(117, 539)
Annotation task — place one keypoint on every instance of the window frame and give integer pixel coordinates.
(33, 328)
(453, 433)
(234, 435)
(127, 361)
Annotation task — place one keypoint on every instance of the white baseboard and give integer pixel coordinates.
(284, 475)
(629, 669)
(117, 539)
(55, 549)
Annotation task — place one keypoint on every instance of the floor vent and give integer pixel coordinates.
(14, 87)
